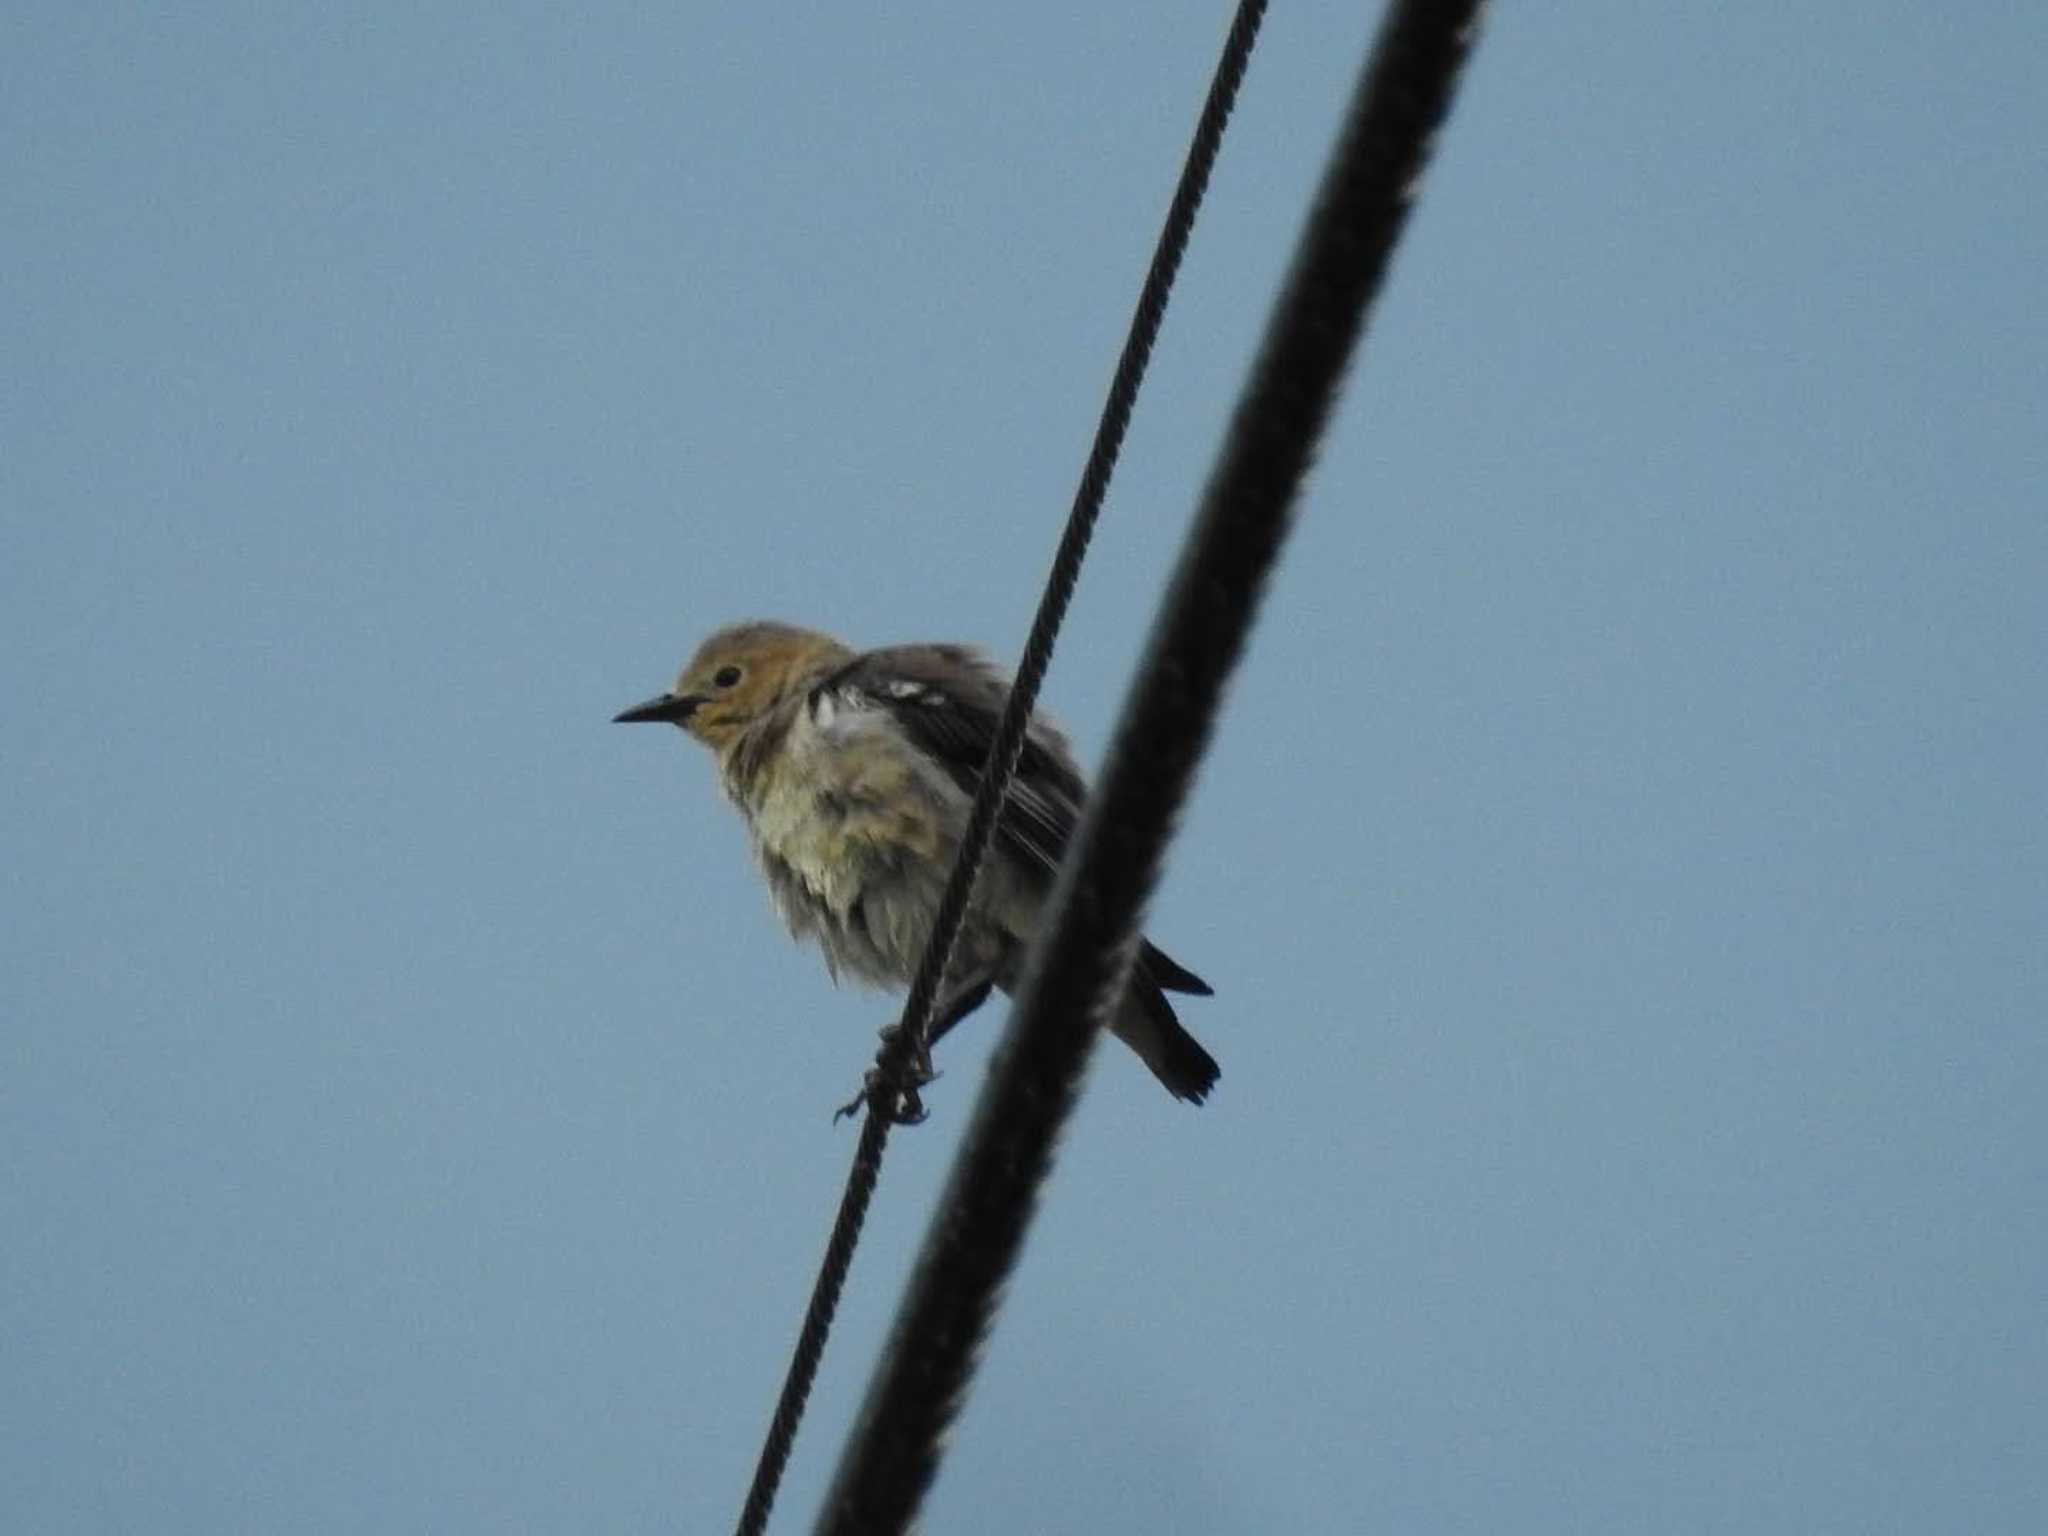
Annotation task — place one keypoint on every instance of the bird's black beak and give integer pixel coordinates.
(674, 708)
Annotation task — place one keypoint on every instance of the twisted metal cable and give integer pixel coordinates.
(1001, 766)
(1081, 963)
(886, 1082)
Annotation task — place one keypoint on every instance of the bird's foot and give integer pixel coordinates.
(898, 1100)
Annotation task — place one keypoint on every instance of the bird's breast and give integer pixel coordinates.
(840, 810)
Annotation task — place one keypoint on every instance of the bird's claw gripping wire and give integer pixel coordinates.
(894, 1097)
(898, 1100)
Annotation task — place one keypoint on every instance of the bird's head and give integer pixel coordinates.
(738, 675)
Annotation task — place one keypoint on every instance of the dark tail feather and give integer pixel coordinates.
(1147, 1024)
(1153, 962)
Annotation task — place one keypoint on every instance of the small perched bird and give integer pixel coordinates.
(855, 772)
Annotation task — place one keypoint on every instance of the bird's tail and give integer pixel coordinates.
(1148, 1025)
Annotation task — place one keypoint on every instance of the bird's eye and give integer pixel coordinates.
(727, 676)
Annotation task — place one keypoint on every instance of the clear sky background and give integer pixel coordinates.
(1623, 867)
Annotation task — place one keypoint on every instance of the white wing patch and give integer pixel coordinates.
(839, 707)
(834, 714)
(842, 708)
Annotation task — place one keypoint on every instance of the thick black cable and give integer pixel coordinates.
(885, 1093)
(1081, 964)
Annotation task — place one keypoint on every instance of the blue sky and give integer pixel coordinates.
(1622, 866)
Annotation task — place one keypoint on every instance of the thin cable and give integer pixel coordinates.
(1001, 766)
(1079, 968)
(885, 1093)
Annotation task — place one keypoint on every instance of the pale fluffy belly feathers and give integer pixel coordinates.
(856, 834)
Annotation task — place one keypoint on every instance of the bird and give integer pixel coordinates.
(855, 772)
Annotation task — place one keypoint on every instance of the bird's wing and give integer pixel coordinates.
(947, 701)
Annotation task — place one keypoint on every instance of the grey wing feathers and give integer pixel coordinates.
(948, 700)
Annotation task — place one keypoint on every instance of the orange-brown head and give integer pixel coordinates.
(737, 676)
